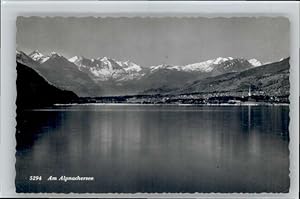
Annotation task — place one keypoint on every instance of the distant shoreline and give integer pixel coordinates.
(166, 104)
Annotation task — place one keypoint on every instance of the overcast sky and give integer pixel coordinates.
(153, 41)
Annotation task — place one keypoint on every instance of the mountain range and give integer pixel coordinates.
(105, 76)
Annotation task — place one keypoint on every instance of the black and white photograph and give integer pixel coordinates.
(152, 104)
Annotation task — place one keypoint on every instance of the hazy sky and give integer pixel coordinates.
(153, 41)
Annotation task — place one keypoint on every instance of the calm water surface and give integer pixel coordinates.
(154, 148)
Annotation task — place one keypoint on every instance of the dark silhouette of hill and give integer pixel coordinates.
(34, 91)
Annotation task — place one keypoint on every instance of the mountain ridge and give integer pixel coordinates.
(105, 76)
(86, 62)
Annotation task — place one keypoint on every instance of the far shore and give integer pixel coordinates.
(169, 104)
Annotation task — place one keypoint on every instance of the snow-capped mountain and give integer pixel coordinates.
(255, 62)
(24, 59)
(104, 68)
(38, 57)
(107, 76)
(206, 66)
(211, 65)
(130, 66)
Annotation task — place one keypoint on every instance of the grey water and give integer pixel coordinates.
(144, 148)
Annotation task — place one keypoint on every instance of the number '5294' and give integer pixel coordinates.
(35, 178)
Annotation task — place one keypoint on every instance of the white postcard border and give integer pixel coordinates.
(12, 9)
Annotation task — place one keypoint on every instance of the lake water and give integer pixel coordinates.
(146, 148)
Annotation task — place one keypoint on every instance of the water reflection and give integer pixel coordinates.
(157, 149)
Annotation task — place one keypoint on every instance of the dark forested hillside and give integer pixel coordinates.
(271, 79)
(34, 91)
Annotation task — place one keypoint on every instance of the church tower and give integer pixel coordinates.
(249, 92)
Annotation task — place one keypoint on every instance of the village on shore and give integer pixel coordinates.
(235, 98)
